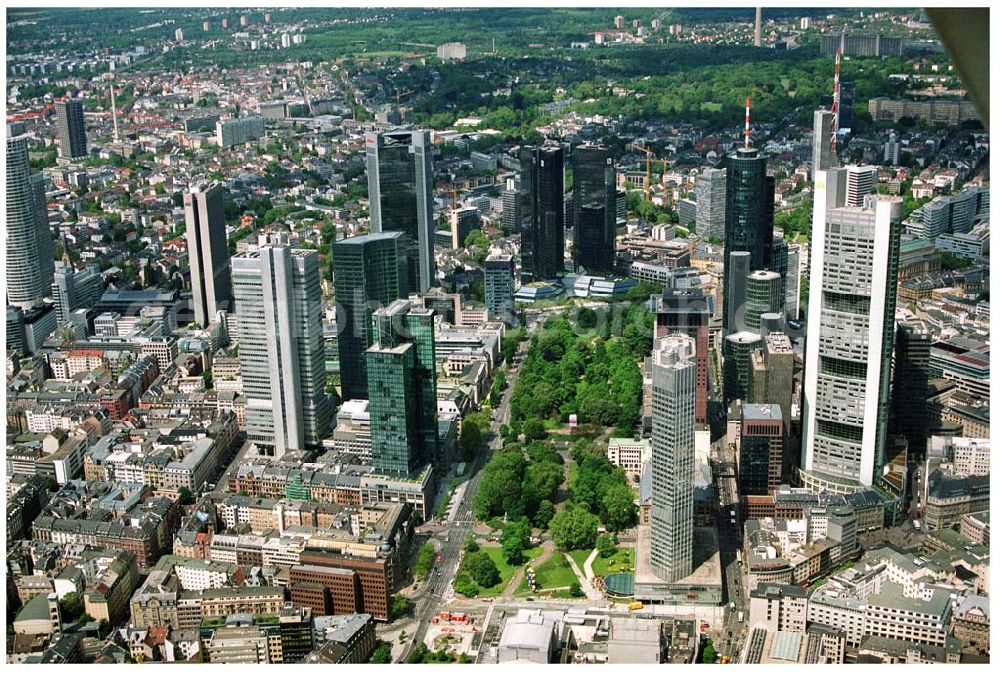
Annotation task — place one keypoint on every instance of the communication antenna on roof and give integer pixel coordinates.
(836, 102)
(746, 128)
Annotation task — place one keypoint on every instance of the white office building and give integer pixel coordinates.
(854, 275)
(278, 307)
(672, 509)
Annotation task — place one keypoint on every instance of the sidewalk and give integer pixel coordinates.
(588, 565)
(592, 592)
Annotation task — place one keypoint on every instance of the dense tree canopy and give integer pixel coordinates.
(574, 528)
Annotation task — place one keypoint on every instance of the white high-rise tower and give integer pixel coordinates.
(278, 306)
(30, 261)
(852, 304)
(672, 511)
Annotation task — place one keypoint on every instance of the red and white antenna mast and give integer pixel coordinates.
(746, 128)
(836, 102)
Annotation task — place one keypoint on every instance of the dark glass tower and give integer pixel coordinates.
(542, 226)
(72, 130)
(749, 213)
(368, 273)
(403, 390)
(594, 208)
(401, 199)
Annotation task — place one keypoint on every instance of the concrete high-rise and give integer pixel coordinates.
(279, 309)
(401, 197)
(860, 183)
(498, 275)
(542, 226)
(762, 447)
(403, 390)
(823, 157)
(368, 272)
(686, 311)
(892, 150)
(771, 371)
(749, 215)
(463, 222)
(208, 252)
(710, 217)
(594, 208)
(852, 306)
(510, 215)
(672, 509)
(72, 290)
(72, 130)
(763, 296)
(30, 255)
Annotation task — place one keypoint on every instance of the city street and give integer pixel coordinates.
(449, 537)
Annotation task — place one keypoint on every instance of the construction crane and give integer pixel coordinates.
(649, 159)
(400, 95)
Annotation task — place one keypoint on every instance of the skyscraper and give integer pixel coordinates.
(779, 261)
(686, 311)
(847, 364)
(499, 287)
(403, 389)
(510, 216)
(401, 197)
(710, 187)
(594, 208)
(71, 129)
(764, 296)
(279, 307)
(30, 263)
(368, 272)
(208, 252)
(762, 445)
(737, 270)
(737, 371)
(771, 371)
(793, 280)
(542, 227)
(911, 379)
(749, 214)
(672, 509)
(823, 156)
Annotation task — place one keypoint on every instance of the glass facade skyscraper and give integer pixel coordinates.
(402, 386)
(368, 272)
(30, 251)
(498, 275)
(208, 252)
(401, 199)
(764, 296)
(71, 129)
(542, 225)
(749, 213)
(594, 208)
